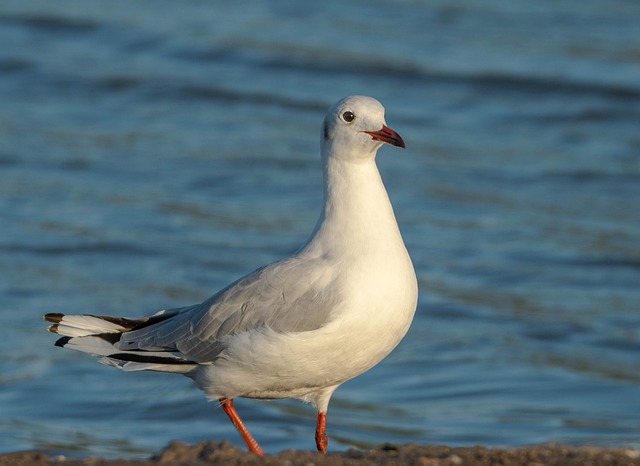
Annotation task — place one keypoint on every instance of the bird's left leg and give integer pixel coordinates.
(227, 405)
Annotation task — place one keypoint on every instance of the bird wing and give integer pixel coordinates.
(286, 296)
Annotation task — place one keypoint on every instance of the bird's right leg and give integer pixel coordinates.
(227, 405)
(321, 433)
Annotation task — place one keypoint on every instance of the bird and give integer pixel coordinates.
(298, 327)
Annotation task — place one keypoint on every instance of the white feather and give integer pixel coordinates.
(83, 325)
(92, 345)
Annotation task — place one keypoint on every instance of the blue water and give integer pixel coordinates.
(151, 152)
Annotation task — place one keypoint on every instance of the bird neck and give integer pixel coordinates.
(356, 213)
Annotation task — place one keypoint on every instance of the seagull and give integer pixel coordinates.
(301, 326)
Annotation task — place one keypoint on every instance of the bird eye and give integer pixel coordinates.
(348, 116)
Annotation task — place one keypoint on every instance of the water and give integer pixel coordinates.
(151, 152)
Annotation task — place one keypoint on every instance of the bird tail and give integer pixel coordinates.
(100, 336)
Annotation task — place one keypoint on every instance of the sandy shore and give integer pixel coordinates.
(223, 453)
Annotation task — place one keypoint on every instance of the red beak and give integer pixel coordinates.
(387, 135)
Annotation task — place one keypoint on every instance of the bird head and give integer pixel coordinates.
(354, 129)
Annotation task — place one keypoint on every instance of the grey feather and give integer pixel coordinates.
(282, 296)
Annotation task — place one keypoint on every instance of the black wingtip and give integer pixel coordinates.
(54, 317)
(142, 358)
(61, 342)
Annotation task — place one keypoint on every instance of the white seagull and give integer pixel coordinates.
(301, 326)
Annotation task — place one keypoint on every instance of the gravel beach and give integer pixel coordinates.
(223, 453)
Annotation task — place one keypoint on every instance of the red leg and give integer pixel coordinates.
(227, 405)
(321, 433)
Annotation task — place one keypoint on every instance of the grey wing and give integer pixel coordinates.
(283, 296)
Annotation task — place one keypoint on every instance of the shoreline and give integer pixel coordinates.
(223, 453)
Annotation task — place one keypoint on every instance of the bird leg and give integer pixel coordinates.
(227, 406)
(321, 433)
